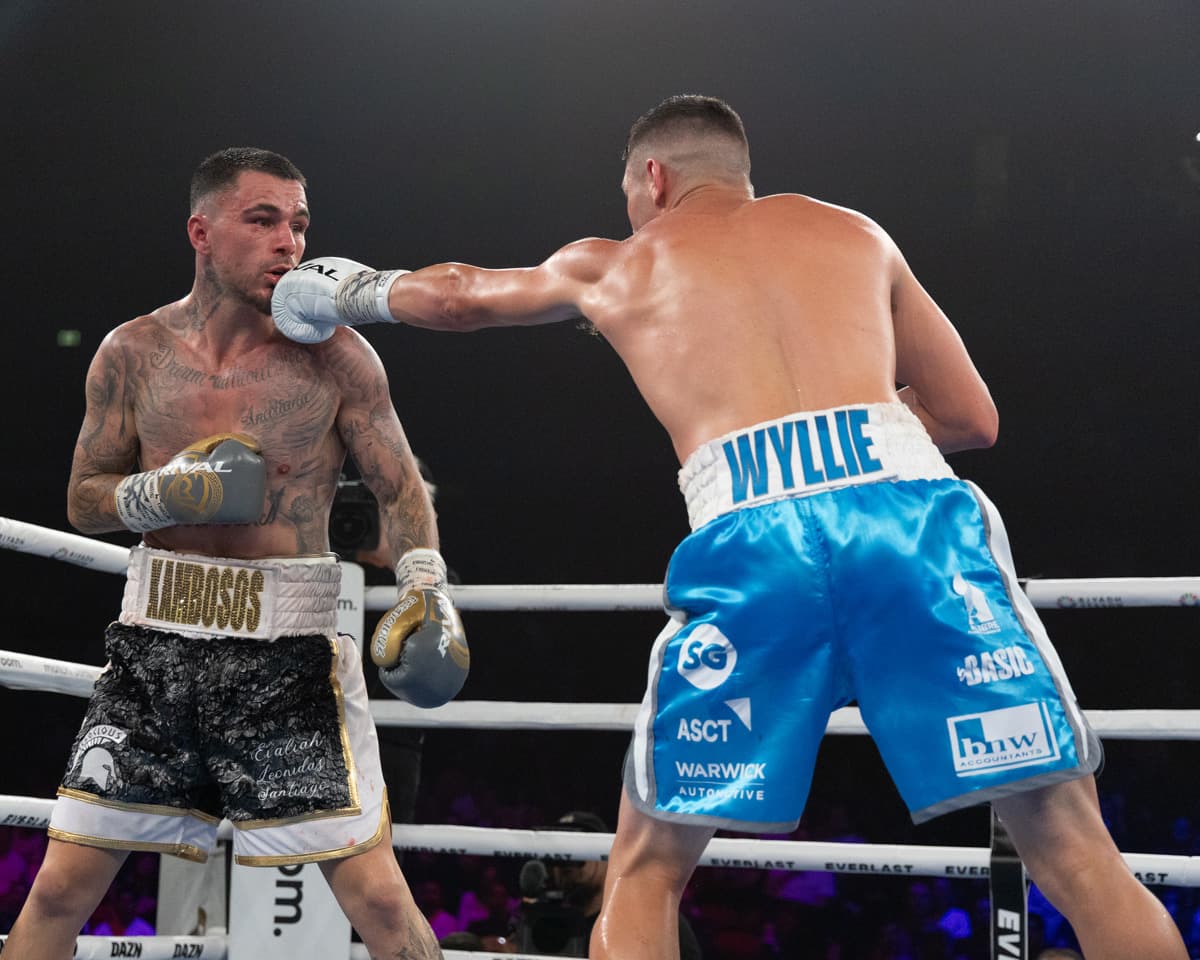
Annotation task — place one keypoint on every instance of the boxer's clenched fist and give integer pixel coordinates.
(220, 479)
(320, 295)
(419, 645)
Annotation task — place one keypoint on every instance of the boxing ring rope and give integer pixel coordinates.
(884, 859)
(1061, 593)
(25, 671)
(147, 948)
(1054, 594)
(216, 948)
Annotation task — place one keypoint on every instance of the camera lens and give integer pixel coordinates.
(352, 526)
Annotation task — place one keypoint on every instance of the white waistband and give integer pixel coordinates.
(199, 596)
(807, 452)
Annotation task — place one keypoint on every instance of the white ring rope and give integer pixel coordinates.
(1064, 594)
(794, 855)
(212, 948)
(148, 948)
(498, 714)
(24, 671)
(517, 598)
(874, 858)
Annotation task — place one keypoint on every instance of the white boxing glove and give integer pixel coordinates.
(320, 295)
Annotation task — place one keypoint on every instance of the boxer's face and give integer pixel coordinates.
(255, 234)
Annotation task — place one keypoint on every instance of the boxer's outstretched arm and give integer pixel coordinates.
(458, 297)
(320, 295)
(107, 447)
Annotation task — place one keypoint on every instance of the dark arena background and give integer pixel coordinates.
(1037, 162)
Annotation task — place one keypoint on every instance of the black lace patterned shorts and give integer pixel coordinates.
(269, 735)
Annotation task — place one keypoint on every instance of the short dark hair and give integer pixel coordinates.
(686, 112)
(218, 170)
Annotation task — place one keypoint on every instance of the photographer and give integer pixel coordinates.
(561, 901)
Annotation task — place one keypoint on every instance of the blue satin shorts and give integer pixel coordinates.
(899, 594)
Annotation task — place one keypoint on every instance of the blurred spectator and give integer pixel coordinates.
(477, 885)
(499, 910)
(431, 901)
(117, 916)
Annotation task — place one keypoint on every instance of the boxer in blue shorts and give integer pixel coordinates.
(833, 554)
(228, 692)
(835, 557)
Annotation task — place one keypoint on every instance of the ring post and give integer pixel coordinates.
(1010, 903)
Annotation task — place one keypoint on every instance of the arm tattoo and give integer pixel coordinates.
(372, 433)
(106, 445)
(410, 522)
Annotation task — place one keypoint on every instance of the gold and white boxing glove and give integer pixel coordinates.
(419, 645)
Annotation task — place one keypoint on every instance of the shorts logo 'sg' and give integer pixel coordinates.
(706, 658)
(1002, 739)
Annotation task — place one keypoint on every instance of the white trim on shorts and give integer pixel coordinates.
(1027, 615)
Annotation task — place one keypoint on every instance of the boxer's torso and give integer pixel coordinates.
(284, 396)
(732, 312)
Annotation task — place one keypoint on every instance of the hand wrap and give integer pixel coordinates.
(313, 300)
